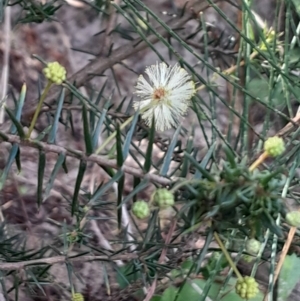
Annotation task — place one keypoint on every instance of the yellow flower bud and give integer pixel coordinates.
(55, 73)
(77, 297)
(274, 146)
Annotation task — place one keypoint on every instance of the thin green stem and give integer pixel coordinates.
(113, 135)
(122, 126)
(38, 109)
(225, 252)
(247, 28)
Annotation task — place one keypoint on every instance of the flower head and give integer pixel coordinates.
(163, 198)
(55, 72)
(274, 146)
(166, 96)
(253, 246)
(141, 209)
(246, 288)
(293, 218)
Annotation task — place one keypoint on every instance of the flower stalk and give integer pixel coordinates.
(56, 74)
(114, 134)
(38, 109)
(226, 254)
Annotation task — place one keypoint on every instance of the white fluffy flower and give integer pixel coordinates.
(166, 96)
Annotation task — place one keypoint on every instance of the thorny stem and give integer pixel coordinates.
(11, 266)
(100, 160)
(38, 109)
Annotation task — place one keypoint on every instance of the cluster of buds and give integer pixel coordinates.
(162, 197)
(141, 209)
(253, 246)
(293, 218)
(55, 73)
(274, 146)
(246, 288)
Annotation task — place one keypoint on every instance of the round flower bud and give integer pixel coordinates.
(246, 288)
(55, 73)
(253, 246)
(293, 218)
(141, 209)
(163, 198)
(274, 146)
(77, 297)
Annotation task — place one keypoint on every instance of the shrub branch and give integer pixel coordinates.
(9, 266)
(100, 160)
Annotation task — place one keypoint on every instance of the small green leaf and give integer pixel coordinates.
(58, 165)
(42, 134)
(107, 186)
(19, 108)
(136, 182)
(148, 157)
(230, 156)
(205, 160)
(201, 170)
(98, 128)
(86, 131)
(64, 166)
(12, 156)
(41, 170)
(168, 156)
(17, 124)
(52, 135)
(269, 222)
(128, 138)
(18, 160)
(16, 285)
(138, 188)
(79, 179)
(120, 159)
(189, 150)
(100, 95)
(119, 201)
(33, 278)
